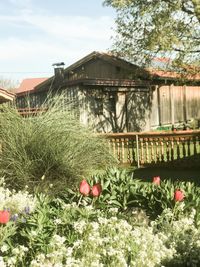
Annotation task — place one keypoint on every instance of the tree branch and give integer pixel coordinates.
(186, 51)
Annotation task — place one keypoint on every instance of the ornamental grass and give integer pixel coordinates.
(50, 151)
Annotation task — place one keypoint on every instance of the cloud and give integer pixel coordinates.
(45, 39)
(21, 3)
(72, 26)
(51, 31)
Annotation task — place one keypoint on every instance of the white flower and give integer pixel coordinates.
(4, 248)
(57, 221)
(58, 239)
(33, 233)
(2, 263)
(80, 226)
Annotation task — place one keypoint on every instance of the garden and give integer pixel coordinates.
(65, 202)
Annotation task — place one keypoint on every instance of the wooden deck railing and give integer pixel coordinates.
(25, 112)
(160, 148)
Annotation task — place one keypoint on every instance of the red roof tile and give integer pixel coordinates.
(162, 59)
(29, 84)
(171, 74)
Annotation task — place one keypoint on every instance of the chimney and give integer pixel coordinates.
(59, 70)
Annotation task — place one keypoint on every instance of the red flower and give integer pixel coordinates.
(156, 180)
(4, 216)
(84, 188)
(178, 195)
(96, 190)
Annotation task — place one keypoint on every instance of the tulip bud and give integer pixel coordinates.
(178, 195)
(84, 188)
(4, 216)
(156, 180)
(96, 190)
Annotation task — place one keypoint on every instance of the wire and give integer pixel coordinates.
(22, 72)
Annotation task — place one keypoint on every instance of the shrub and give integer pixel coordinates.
(181, 235)
(50, 148)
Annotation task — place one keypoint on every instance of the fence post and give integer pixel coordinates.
(184, 103)
(137, 150)
(158, 103)
(171, 94)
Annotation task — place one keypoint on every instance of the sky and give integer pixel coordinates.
(37, 33)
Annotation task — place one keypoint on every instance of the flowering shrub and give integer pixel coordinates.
(88, 237)
(61, 233)
(16, 202)
(181, 235)
(71, 236)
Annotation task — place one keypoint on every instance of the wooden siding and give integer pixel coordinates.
(193, 102)
(97, 69)
(174, 104)
(117, 109)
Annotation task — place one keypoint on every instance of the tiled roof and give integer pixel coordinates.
(173, 75)
(29, 84)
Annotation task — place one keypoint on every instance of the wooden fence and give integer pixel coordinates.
(156, 148)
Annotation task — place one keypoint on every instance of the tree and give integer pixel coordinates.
(164, 28)
(8, 84)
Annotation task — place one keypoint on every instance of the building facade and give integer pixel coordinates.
(113, 95)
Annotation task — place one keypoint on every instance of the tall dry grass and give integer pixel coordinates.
(50, 148)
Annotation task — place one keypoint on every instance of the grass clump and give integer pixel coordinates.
(52, 148)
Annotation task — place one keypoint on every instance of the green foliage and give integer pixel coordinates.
(50, 149)
(145, 29)
(57, 233)
(121, 191)
(182, 235)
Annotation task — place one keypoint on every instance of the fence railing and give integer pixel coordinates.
(25, 112)
(144, 149)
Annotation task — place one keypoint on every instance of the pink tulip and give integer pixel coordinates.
(84, 188)
(178, 195)
(4, 216)
(156, 180)
(96, 190)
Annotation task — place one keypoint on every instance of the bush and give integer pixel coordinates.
(50, 148)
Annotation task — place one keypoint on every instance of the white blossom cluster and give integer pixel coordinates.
(106, 242)
(16, 202)
(183, 237)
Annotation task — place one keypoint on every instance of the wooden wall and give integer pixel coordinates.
(174, 104)
(100, 69)
(114, 109)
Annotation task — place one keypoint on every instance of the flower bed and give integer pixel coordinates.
(108, 221)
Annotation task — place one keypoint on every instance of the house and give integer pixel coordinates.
(26, 87)
(113, 95)
(6, 96)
